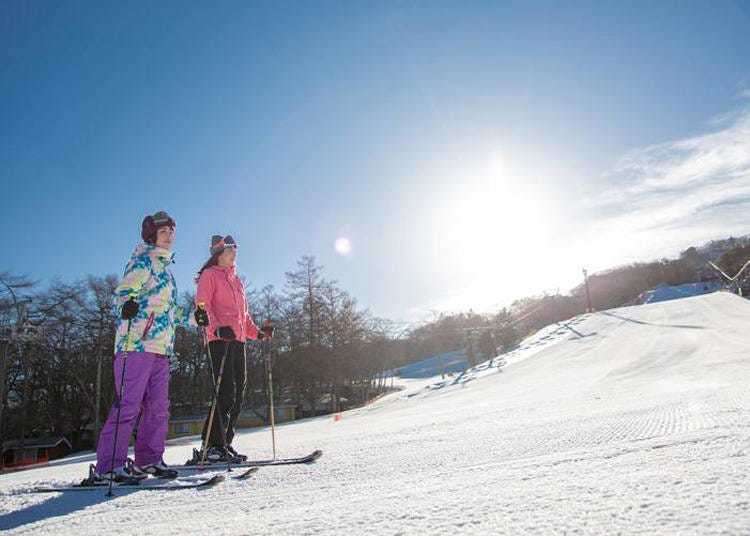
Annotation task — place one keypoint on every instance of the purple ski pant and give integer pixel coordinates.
(146, 393)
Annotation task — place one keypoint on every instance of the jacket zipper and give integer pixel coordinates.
(234, 297)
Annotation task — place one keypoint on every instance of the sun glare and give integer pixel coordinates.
(496, 244)
(485, 229)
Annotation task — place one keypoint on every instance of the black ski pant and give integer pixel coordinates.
(231, 391)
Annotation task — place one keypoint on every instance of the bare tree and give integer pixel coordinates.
(304, 287)
(12, 303)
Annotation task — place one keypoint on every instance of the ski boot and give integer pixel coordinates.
(118, 475)
(157, 470)
(221, 455)
(235, 454)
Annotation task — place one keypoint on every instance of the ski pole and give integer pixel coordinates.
(208, 354)
(119, 406)
(267, 345)
(217, 386)
(204, 330)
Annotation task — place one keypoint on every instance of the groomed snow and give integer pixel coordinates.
(630, 421)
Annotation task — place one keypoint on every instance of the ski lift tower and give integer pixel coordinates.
(733, 282)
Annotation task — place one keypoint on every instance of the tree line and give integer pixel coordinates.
(328, 354)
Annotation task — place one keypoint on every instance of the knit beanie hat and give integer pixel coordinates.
(220, 243)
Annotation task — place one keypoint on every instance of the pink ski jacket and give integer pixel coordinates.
(223, 294)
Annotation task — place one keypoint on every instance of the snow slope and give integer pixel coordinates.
(630, 421)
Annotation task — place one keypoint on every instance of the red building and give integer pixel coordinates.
(33, 451)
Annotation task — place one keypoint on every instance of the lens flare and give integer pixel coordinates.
(343, 246)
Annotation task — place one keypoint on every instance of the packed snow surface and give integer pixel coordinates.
(630, 421)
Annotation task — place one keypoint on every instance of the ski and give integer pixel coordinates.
(203, 484)
(246, 474)
(310, 458)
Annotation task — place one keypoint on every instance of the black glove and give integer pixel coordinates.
(225, 332)
(130, 309)
(201, 316)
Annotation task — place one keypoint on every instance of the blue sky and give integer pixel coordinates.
(472, 152)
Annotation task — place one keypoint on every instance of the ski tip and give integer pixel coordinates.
(246, 474)
(212, 481)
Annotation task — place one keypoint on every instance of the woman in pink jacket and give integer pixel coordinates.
(228, 324)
